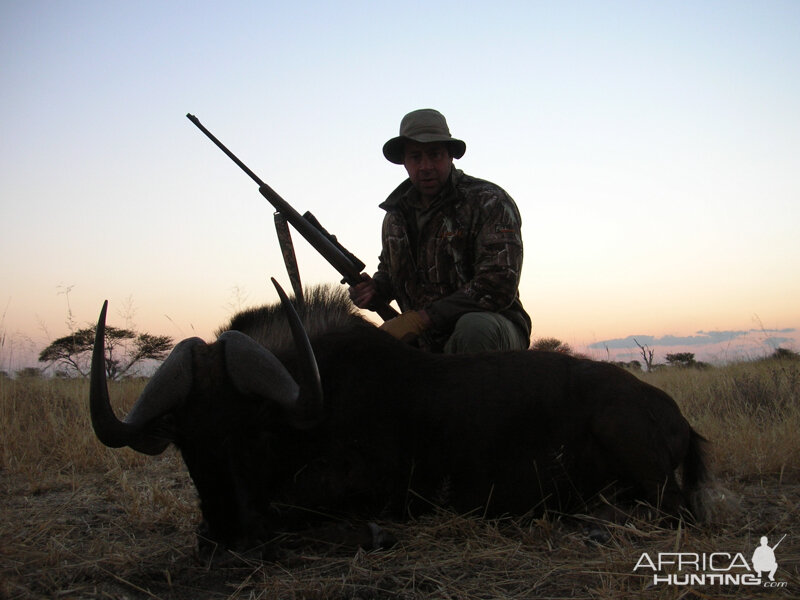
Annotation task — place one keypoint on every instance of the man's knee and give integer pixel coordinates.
(484, 331)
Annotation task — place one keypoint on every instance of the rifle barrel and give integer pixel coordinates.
(350, 271)
(303, 227)
(222, 147)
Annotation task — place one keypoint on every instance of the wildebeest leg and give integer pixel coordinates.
(230, 520)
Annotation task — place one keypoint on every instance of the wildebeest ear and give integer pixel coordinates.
(254, 370)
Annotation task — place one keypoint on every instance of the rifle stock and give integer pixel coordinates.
(339, 258)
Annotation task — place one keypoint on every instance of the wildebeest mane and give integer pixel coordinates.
(325, 308)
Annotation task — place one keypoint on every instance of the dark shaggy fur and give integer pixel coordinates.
(326, 308)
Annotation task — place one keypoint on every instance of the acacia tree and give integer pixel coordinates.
(125, 349)
(681, 359)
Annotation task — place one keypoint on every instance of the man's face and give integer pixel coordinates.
(428, 166)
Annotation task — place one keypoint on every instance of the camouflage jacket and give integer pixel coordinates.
(461, 254)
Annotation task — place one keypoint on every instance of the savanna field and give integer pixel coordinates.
(78, 520)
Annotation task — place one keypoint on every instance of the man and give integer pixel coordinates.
(452, 249)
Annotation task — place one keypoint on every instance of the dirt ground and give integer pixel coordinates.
(129, 534)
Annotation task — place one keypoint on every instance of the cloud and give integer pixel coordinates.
(775, 342)
(702, 338)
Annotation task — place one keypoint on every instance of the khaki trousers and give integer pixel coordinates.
(483, 331)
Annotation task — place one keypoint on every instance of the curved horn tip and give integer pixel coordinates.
(311, 412)
(103, 312)
(98, 350)
(281, 294)
(104, 422)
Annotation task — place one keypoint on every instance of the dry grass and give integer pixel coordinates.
(78, 520)
(750, 410)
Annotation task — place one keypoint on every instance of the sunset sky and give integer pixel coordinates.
(653, 149)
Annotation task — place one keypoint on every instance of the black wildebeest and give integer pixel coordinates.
(271, 443)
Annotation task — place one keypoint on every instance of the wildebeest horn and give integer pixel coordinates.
(256, 371)
(309, 409)
(167, 389)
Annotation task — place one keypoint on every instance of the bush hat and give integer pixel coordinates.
(424, 125)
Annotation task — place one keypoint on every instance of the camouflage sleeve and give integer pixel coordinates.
(497, 252)
(382, 278)
(383, 282)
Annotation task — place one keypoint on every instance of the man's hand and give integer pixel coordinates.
(362, 294)
(407, 326)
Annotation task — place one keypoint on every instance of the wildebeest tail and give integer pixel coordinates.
(695, 475)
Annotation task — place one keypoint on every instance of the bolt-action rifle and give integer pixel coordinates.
(307, 225)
